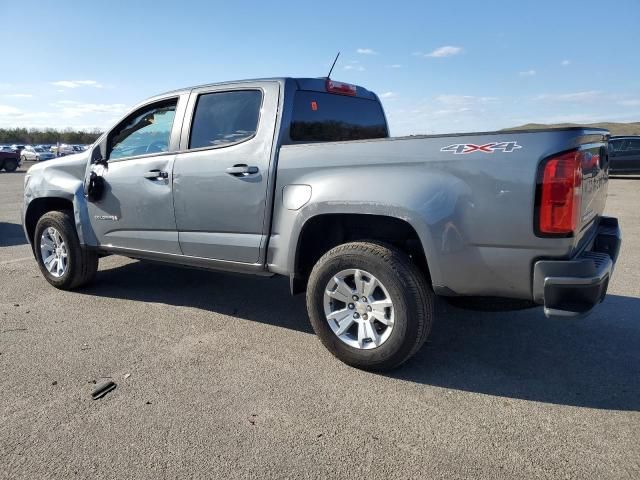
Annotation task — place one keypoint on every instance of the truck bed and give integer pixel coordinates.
(473, 207)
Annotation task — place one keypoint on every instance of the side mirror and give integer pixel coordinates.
(95, 190)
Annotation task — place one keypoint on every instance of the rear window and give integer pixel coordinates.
(326, 117)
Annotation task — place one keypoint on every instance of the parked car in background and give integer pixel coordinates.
(9, 159)
(63, 150)
(624, 154)
(35, 154)
(43, 154)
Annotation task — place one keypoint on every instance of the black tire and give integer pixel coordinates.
(11, 165)
(82, 263)
(412, 297)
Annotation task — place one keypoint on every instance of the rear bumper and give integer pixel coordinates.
(570, 288)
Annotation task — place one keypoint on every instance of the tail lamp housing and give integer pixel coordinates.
(559, 195)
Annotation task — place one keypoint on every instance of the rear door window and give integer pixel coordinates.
(326, 117)
(225, 118)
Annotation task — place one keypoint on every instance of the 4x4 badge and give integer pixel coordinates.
(463, 148)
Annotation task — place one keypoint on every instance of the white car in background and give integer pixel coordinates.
(35, 154)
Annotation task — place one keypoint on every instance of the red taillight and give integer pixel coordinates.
(341, 88)
(560, 194)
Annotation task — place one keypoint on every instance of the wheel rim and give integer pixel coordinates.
(358, 309)
(54, 252)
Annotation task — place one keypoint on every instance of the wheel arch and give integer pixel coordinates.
(38, 207)
(318, 233)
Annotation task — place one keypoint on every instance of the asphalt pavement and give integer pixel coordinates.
(220, 375)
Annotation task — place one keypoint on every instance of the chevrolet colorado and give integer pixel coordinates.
(299, 177)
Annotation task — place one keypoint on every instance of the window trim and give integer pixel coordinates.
(226, 145)
(135, 113)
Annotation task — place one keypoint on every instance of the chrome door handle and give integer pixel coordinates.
(153, 174)
(242, 170)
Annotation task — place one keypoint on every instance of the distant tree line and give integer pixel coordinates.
(34, 136)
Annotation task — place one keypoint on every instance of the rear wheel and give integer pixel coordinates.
(11, 165)
(370, 305)
(62, 260)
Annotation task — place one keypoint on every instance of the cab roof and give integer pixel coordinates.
(300, 83)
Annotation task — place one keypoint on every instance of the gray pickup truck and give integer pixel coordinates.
(299, 177)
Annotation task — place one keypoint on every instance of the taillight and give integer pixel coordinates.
(560, 194)
(341, 88)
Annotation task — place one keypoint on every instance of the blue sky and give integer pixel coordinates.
(438, 66)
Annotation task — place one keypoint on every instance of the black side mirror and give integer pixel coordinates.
(95, 191)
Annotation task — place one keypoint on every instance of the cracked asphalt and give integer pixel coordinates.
(220, 375)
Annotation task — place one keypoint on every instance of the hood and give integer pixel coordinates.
(79, 159)
(72, 164)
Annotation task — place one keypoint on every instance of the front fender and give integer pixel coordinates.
(60, 179)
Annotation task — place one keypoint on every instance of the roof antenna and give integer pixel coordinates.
(333, 65)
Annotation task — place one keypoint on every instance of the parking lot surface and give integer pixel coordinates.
(221, 376)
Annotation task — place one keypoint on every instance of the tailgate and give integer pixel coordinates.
(572, 186)
(595, 178)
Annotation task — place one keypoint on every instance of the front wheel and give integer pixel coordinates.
(370, 305)
(64, 263)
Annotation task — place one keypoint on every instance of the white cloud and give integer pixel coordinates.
(446, 51)
(463, 100)
(575, 97)
(634, 102)
(77, 83)
(9, 110)
(394, 65)
(366, 51)
(19, 95)
(527, 73)
(72, 109)
(565, 63)
(62, 114)
(389, 95)
(356, 68)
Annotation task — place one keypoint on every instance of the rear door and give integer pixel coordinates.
(221, 174)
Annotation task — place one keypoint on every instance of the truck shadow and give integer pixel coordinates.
(592, 362)
(11, 234)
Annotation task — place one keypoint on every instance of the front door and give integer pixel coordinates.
(136, 210)
(221, 174)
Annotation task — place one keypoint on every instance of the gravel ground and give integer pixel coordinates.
(220, 376)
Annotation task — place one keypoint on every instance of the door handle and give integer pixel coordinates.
(155, 174)
(242, 170)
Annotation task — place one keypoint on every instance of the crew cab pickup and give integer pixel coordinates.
(299, 177)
